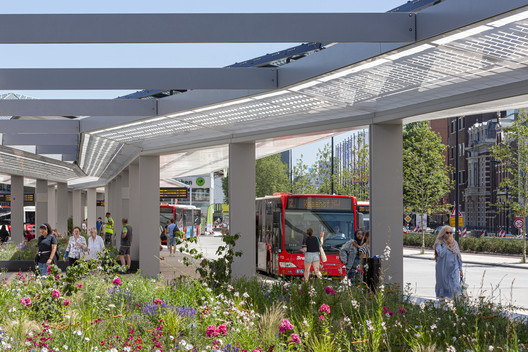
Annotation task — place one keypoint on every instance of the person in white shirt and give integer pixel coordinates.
(95, 244)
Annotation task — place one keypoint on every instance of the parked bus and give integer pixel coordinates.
(282, 220)
(187, 217)
(364, 208)
(29, 218)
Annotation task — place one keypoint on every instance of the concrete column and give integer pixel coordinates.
(70, 204)
(125, 194)
(148, 227)
(386, 198)
(107, 197)
(134, 204)
(52, 207)
(17, 209)
(242, 206)
(77, 208)
(41, 204)
(91, 195)
(83, 205)
(62, 208)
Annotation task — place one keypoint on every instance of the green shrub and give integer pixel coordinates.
(469, 244)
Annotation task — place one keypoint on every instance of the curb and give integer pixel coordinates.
(516, 266)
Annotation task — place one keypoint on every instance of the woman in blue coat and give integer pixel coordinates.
(448, 264)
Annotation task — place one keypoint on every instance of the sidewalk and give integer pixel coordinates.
(510, 261)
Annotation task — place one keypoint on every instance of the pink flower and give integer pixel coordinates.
(117, 281)
(211, 331)
(295, 338)
(57, 277)
(325, 308)
(79, 285)
(330, 291)
(384, 310)
(285, 325)
(322, 317)
(402, 311)
(26, 301)
(222, 329)
(55, 294)
(391, 314)
(66, 302)
(158, 301)
(49, 269)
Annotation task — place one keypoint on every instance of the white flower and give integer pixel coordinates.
(451, 348)
(433, 326)
(78, 332)
(204, 284)
(245, 295)
(14, 322)
(284, 307)
(65, 347)
(236, 294)
(128, 348)
(491, 348)
(86, 339)
(355, 304)
(369, 325)
(111, 305)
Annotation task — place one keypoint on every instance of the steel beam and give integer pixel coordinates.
(137, 78)
(64, 126)
(57, 149)
(207, 28)
(77, 107)
(40, 139)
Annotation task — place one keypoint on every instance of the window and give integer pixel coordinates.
(453, 124)
(461, 123)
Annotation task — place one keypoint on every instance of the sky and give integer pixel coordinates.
(158, 55)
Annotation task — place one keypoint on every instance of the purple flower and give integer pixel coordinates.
(285, 325)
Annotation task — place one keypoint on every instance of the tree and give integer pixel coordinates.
(271, 175)
(302, 179)
(512, 154)
(425, 176)
(353, 174)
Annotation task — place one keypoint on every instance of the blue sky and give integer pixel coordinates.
(156, 55)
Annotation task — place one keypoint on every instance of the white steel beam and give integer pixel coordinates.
(37, 126)
(207, 28)
(137, 78)
(77, 107)
(39, 139)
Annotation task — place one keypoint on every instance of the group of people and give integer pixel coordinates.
(78, 246)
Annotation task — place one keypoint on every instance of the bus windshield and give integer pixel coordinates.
(337, 226)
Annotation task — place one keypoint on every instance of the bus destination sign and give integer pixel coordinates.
(319, 203)
(174, 192)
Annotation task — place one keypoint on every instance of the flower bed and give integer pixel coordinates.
(94, 309)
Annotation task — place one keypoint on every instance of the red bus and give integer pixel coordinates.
(282, 220)
(29, 218)
(187, 217)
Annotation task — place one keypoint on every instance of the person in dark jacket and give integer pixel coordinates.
(4, 234)
(310, 247)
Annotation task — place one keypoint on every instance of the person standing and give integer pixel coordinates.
(84, 226)
(47, 246)
(351, 248)
(171, 238)
(126, 242)
(364, 250)
(109, 229)
(99, 224)
(448, 264)
(310, 247)
(76, 246)
(95, 244)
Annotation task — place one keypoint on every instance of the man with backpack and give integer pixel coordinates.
(172, 229)
(349, 254)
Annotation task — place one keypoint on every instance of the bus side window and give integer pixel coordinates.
(277, 225)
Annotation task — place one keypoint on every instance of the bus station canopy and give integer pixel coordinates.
(457, 57)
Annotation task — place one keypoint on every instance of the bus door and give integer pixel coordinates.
(187, 223)
(197, 218)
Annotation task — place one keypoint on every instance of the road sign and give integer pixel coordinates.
(518, 222)
(407, 218)
(460, 221)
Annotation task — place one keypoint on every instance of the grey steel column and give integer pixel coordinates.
(41, 204)
(62, 208)
(125, 194)
(242, 206)
(91, 195)
(134, 211)
(52, 207)
(147, 229)
(69, 196)
(17, 209)
(76, 208)
(117, 210)
(386, 194)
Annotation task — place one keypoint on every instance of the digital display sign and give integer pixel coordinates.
(319, 203)
(167, 210)
(174, 192)
(28, 198)
(99, 203)
(363, 209)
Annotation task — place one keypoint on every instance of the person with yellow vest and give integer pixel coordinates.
(109, 229)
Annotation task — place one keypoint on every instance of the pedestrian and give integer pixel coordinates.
(351, 252)
(95, 244)
(171, 238)
(126, 242)
(364, 250)
(448, 265)
(28, 236)
(109, 229)
(99, 224)
(84, 227)
(76, 246)
(56, 233)
(47, 247)
(310, 247)
(4, 234)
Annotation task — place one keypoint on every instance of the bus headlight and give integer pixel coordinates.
(287, 265)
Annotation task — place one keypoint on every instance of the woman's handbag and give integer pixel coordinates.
(322, 253)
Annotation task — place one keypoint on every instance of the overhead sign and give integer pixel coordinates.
(99, 203)
(174, 192)
(518, 222)
(29, 199)
(452, 221)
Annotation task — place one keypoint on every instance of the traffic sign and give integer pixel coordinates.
(452, 221)
(407, 218)
(518, 222)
